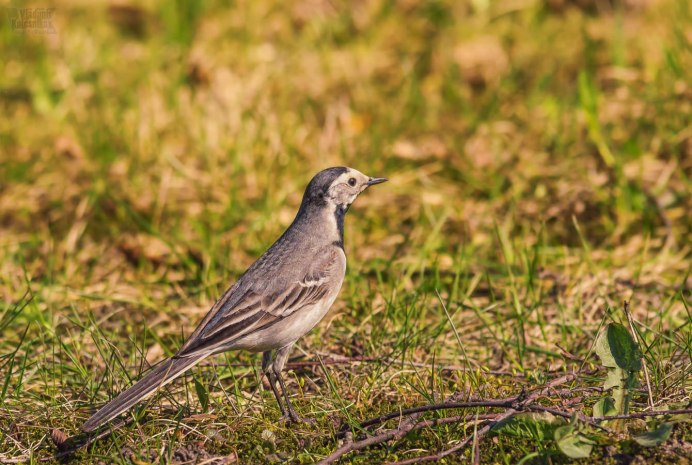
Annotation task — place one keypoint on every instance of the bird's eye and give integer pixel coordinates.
(352, 182)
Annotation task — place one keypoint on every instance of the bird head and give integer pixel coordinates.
(337, 187)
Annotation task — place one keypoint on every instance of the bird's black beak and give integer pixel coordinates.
(373, 181)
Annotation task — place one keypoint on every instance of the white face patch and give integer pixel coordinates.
(344, 189)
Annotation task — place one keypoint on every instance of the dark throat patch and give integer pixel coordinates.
(339, 215)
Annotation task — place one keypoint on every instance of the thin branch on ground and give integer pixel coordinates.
(348, 446)
(439, 455)
(568, 415)
(629, 416)
(409, 420)
(524, 402)
(497, 403)
(456, 419)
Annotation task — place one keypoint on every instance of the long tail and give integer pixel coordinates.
(159, 376)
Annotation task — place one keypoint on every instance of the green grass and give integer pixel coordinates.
(539, 158)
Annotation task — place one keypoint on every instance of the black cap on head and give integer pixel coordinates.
(319, 185)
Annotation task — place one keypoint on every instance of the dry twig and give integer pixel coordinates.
(479, 434)
(411, 415)
(348, 446)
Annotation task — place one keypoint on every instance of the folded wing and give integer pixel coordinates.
(242, 310)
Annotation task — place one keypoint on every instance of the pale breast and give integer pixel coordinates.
(297, 324)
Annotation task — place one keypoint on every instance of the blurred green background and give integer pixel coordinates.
(539, 156)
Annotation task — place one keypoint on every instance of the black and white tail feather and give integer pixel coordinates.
(159, 376)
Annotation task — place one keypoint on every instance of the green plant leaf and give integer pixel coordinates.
(617, 349)
(621, 400)
(605, 407)
(572, 442)
(603, 350)
(530, 425)
(615, 378)
(202, 395)
(655, 436)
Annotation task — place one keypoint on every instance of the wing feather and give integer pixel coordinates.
(232, 318)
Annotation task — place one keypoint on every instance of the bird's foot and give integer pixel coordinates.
(293, 417)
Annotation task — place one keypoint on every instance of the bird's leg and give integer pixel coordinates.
(271, 376)
(277, 367)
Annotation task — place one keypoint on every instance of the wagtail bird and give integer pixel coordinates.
(282, 296)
